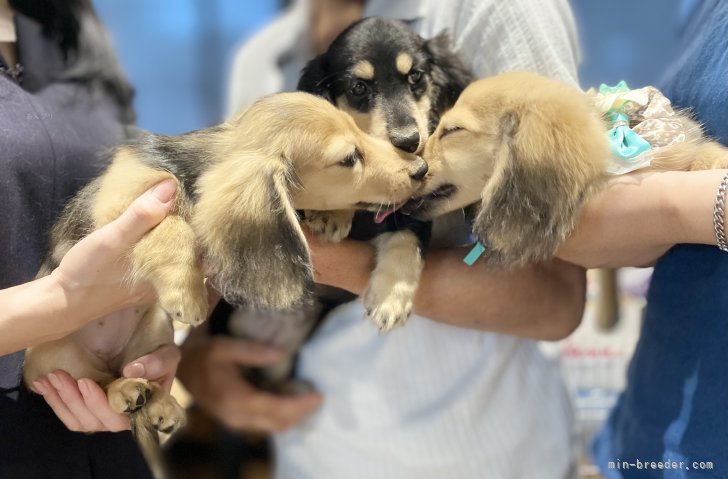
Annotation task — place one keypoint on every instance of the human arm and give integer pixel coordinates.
(638, 217)
(88, 283)
(542, 301)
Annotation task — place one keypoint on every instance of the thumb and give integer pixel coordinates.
(143, 214)
(157, 365)
(247, 353)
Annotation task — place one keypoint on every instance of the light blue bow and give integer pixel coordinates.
(620, 87)
(623, 141)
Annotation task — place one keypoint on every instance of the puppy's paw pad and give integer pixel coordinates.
(165, 414)
(128, 395)
(331, 226)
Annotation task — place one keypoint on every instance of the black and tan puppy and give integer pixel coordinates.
(395, 85)
(235, 212)
(528, 152)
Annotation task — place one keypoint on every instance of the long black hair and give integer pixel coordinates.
(74, 26)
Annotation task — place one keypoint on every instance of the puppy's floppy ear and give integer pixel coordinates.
(315, 78)
(545, 168)
(250, 235)
(448, 74)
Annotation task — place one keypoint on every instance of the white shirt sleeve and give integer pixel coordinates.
(256, 66)
(498, 36)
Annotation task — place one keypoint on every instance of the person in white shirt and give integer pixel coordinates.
(429, 400)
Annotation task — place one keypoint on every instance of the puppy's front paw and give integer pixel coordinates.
(394, 281)
(185, 301)
(388, 305)
(126, 395)
(331, 226)
(163, 413)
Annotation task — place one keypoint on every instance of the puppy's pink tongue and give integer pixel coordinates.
(383, 215)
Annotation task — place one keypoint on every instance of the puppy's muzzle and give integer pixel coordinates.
(419, 169)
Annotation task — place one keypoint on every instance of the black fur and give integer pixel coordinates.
(173, 154)
(88, 54)
(380, 41)
(448, 75)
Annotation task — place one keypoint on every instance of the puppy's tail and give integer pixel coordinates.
(148, 439)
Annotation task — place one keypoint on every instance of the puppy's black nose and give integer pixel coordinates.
(420, 172)
(408, 141)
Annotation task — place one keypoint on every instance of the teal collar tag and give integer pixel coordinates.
(474, 254)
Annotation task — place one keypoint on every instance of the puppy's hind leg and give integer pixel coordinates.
(152, 410)
(389, 298)
(167, 257)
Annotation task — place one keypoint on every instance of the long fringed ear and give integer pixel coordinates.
(544, 172)
(315, 79)
(250, 236)
(448, 74)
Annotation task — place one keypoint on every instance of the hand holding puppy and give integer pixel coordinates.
(83, 406)
(210, 370)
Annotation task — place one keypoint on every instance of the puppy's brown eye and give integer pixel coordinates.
(414, 77)
(359, 89)
(449, 131)
(351, 160)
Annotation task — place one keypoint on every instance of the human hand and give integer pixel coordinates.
(210, 370)
(82, 405)
(93, 273)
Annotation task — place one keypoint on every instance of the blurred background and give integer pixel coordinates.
(177, 53)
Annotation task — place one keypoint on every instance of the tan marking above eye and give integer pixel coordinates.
(404, 63)
(364, 70)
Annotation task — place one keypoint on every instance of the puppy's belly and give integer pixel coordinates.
(107, 337)
(94, 351)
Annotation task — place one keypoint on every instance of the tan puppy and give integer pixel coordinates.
(529, 151)
(234, 213)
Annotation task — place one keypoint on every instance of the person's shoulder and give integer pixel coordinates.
(273, 40)
(469, 11)
(264, 53)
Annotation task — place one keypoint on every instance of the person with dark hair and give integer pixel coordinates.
(63, 100)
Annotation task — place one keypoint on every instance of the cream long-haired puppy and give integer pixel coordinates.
(239, 185)
(528, 151)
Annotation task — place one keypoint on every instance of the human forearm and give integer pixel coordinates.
(639, 217)
(33, 313)
(90, 281)
(539, 301)
(536, 301)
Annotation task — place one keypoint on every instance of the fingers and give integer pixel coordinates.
(239, 405)
(98, 404)
(271, 413)
(142, 215)
(159, 366)
(211, 371)
(247, 353)
(81, 406)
